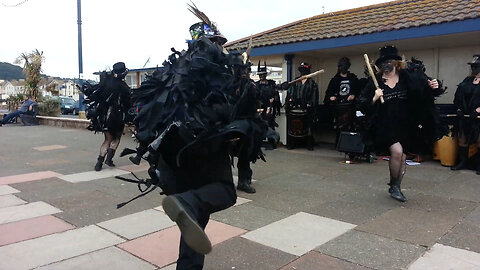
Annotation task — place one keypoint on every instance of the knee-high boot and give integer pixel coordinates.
(462, 159)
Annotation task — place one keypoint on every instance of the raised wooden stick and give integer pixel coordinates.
(370, 71)
(308, 76)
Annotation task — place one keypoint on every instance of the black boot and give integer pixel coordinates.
(135, 160)
(110, 154)
(463, 158)
(245, 186)
(192, 233)
(395, 190)
(98, 166)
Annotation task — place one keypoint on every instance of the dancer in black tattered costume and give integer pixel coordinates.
(270, 103)
(391, 123)
(467, 102)
(196, 112)
(107, 104)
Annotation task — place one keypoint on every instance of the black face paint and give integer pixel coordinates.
(343, 68)
(475, 70)
(386, 67)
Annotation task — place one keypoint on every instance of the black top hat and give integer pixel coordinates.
(262, 70)
(476, 60)
(387, 52)
(304, 66)
(119, 70)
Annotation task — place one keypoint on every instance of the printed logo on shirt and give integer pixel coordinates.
(344, 88)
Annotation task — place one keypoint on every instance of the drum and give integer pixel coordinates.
(344, 115)
(447, 150)
(297, 123)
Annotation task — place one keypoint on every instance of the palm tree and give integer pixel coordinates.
(32, 67)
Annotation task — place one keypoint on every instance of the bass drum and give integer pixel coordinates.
(344, 115)
(297, 123)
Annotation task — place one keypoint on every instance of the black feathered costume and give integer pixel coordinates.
(196, 114)
(107, 105)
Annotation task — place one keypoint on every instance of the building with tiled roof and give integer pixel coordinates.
(435, 31)
(443, 33)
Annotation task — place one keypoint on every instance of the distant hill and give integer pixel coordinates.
(10, 72)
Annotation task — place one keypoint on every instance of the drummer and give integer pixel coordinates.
(302, 96)
(341, 92)
(344, 86)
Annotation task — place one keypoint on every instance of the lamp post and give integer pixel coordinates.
(81, 113)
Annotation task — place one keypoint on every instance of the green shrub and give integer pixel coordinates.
(49, 107)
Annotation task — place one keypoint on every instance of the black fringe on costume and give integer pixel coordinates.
(192, 107)
(107, 103)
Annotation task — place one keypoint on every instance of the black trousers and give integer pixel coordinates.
(204, 190)
(244, 171)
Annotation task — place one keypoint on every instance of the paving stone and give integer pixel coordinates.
(138, 224)
(435, 204)
(372, 251)
(50, 189)
(351, 212)
(104, 208)
(10, 200)
(410, 225)
(172, 266)
(474, 217)
(299, 233)
(109, 258)
(444, 257)
(316, 261)
(465, 236)
(161, 248)
(241, 201)
(5, 180)
(248, 216)
(92, 175)
(53, 248)
(5, 189)
(135, 168)
(31, 228)
(242, 254)
(26, 211)
(49, 147)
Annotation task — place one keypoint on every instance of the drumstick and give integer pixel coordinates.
(308, 76)
(465, 115)
(370, 71)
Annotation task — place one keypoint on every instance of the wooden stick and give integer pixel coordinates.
(308, 76)
(370, 71)
(465, 115)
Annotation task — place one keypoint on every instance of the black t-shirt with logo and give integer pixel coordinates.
(342, 87)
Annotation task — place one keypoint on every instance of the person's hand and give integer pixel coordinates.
(477, 110)
(271, 100)
(30, 108)
(351, 97)
(332, 98)
(308, 105)
(378, 94)
(460, 114)
(433, 84)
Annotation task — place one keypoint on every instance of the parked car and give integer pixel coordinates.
(76, 108)
(67, 105)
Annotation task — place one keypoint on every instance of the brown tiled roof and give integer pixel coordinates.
(388, 16)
